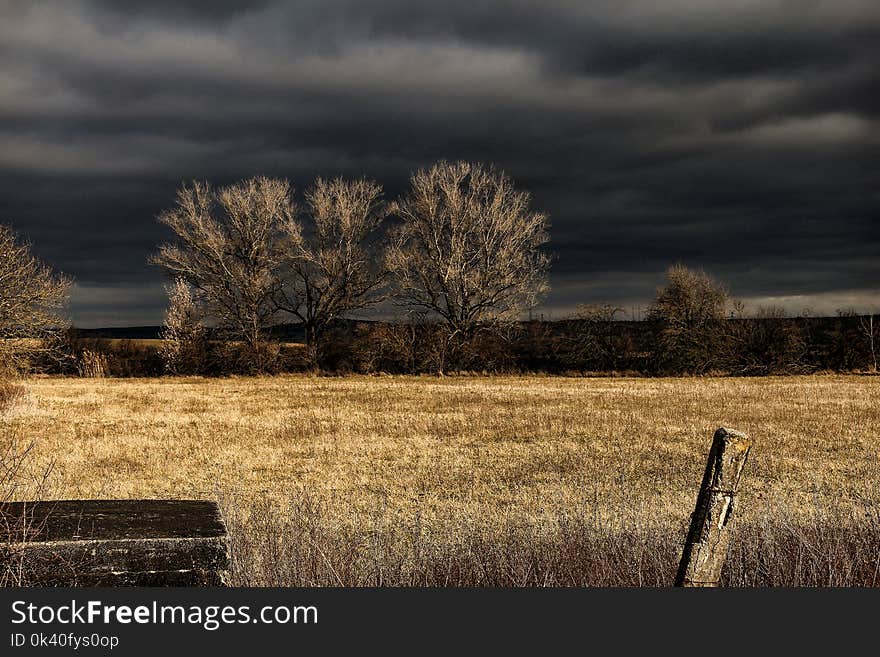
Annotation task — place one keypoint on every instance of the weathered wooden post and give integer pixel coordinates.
(114, 543)
(709, 534)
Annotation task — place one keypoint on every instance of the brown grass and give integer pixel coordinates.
(521, 479)
(11, 395)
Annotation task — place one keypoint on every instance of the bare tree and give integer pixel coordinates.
(227, 249)
(469, 247)
(33, 300)
(688, 312)
(184, 337)
(336, 264)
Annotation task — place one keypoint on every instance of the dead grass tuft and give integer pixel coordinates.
(11, 395)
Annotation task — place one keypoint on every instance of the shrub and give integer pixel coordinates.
(93, 364)
(184, 338)
(688, 313)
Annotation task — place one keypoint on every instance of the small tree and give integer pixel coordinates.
(184, 337)
(335, 265)
(469, 247)
(688, 312)
(870, 329)
(227, 250)
(33, 302)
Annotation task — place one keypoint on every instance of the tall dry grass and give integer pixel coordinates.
(299, 544)
(18, 480)
(11, 394)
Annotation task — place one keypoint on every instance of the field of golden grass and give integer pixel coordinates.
(480, 452)
(522, 445)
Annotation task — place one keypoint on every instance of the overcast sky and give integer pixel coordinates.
(740, 136)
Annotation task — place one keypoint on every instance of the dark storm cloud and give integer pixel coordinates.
(740, 136)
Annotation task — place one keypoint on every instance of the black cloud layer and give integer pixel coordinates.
(737, 136)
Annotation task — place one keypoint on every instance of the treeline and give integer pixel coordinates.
(750, 346)
(458, 258)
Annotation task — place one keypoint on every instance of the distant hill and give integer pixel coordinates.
(121, 332)
(285, 332)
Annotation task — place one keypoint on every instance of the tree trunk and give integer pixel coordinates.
(313, 341)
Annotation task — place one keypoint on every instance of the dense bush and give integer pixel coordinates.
(687, 318)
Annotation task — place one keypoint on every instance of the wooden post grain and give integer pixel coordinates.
(709, 534)
(114, 543)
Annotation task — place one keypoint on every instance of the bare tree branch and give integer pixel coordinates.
(469, 247)
(33, 302)
(335, 265)
(227, 249)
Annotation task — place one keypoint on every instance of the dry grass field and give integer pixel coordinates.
(469, 480)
